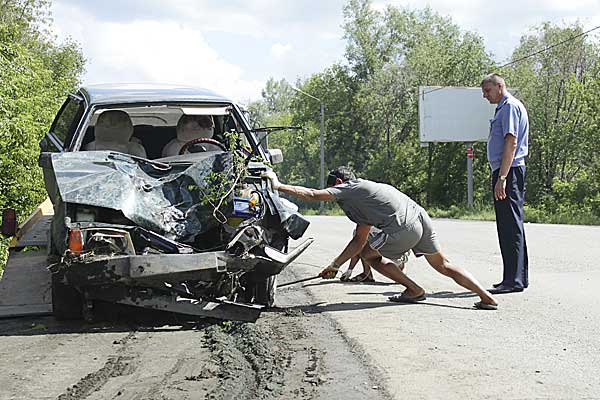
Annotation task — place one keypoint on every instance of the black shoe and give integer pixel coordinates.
(501, 289)
(495, 285)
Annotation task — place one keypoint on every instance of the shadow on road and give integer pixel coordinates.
(317, 308)
(435, 295)
(34, 326)
(451, 295)
(338, 282)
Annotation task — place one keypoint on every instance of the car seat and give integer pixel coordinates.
(113, 131)
(189, 127)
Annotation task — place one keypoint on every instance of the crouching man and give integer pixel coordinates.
(388, 224)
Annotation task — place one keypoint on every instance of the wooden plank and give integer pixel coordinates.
(36, 235)
(34, 230)
(25, 287)
(43, 210)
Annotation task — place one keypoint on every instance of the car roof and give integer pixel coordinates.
(147, 93)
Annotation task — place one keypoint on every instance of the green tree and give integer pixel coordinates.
(371, 113)
(365, 49)
(371, 109)
(560, 89)
(415, 48)
(36, 73)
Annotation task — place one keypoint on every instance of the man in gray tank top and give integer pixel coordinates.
(388, 224)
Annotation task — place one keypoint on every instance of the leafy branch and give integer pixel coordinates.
(220, 185)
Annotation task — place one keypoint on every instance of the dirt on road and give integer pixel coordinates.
(290, 352)
(542, 343)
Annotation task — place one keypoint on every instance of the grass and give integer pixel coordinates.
(565, 216)
(485, 212)
(477, 213)
(335, 212)
(3, 253)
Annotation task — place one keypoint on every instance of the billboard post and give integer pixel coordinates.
(469, 174)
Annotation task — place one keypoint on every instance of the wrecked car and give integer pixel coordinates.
(159, 203)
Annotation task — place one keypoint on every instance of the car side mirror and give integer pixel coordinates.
(9, 222)
(276, 156)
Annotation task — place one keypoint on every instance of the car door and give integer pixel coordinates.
(64, 126)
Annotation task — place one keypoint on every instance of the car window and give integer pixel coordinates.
(67, 119)
(154, 128)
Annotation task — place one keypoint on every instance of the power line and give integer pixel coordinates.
(531, 55)
(549, 47)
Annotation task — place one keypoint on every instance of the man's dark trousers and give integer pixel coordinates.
(511, 233)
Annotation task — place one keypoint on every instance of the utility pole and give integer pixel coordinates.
(321, 145)
(322, 156)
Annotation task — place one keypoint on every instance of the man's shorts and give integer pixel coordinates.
(418, 237)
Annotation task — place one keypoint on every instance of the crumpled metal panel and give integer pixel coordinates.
(292, 222)
(164, 200)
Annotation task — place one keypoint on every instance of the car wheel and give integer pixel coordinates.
(260, 290)
(264, 291)
(67, 301)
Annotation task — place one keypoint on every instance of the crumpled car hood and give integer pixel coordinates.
(164, 200)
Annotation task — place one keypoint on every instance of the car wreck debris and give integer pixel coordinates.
(198, 233)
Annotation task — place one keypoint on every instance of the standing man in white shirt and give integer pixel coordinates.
(507, 148)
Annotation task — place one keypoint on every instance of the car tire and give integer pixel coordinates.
(67, 301)
(264, 291)
(260, 290)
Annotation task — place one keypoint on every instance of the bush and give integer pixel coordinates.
(3, 254)
(36, 75)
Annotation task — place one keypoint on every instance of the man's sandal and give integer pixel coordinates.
(480, 305)
(403, 298)
(362, 277)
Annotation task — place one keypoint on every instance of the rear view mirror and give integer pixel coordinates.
(276, 156)
(9, 222)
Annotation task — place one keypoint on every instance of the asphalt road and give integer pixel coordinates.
(543, 343)
(334, 340)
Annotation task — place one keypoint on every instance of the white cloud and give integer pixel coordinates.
(233, 47)
(571, 5)
(279, 50)
(502, 25)
(222, 18)
(163, 52)
(151, 51)
(225, 47)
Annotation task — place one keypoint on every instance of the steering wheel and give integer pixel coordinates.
(192, 142)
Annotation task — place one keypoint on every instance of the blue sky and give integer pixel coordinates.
(233, 47)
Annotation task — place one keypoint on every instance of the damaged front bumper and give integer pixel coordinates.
(148, 270)
(160, 281)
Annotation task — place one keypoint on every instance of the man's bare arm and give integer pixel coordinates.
(508, 155)
(355, 246)
(306, 193)
(510, 147)
(298, 191)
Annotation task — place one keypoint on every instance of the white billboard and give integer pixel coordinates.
(453, 114)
